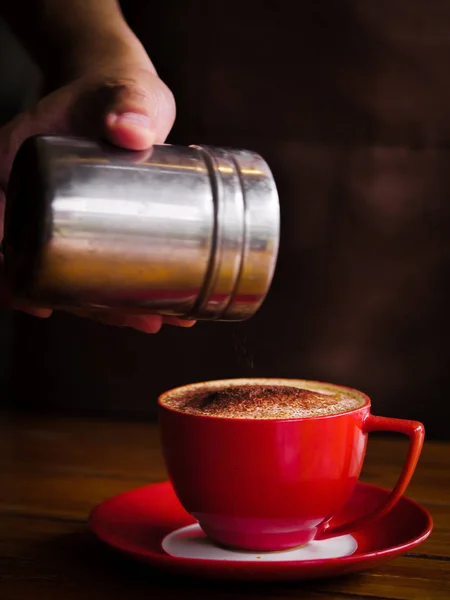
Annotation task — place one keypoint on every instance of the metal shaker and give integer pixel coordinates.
(185, 231)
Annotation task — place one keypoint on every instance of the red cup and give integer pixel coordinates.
(274, 484)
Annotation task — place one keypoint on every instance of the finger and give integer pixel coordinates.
(43, 313)
(178, 322)
(145, 323)
(140, 113)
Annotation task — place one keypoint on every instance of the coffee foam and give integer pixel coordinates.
(278, 399)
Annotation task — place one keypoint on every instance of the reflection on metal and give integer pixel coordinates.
(186, 231)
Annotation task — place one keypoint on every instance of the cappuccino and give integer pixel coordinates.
(263, 399)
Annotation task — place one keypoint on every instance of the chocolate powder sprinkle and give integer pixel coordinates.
(264, 402)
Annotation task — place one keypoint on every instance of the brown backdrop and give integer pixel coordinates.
(349, 101)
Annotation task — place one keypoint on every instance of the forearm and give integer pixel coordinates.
(67, 37)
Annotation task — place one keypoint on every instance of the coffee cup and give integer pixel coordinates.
(263, 476)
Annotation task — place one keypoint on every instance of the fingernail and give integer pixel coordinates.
(129, 118)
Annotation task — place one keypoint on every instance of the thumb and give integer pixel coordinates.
(141, 112)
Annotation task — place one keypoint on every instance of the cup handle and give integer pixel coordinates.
(416, 433)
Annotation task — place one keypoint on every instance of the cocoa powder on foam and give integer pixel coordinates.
(258, 401)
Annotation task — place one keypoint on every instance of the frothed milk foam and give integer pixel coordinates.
(263, 399)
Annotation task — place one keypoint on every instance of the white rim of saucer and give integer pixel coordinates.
(192, 543)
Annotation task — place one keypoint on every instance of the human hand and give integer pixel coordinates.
(122, 101)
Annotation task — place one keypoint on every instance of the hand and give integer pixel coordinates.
(124, 102)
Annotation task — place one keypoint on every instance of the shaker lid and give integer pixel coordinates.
(246, 235)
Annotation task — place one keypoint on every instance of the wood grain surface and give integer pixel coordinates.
(53, 471)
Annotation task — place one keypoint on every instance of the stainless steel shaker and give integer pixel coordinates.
(186, 231)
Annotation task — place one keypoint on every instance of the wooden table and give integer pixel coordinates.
(54, 470)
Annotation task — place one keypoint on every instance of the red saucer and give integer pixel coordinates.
(137, 523)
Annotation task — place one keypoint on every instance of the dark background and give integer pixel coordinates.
(349, 102)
